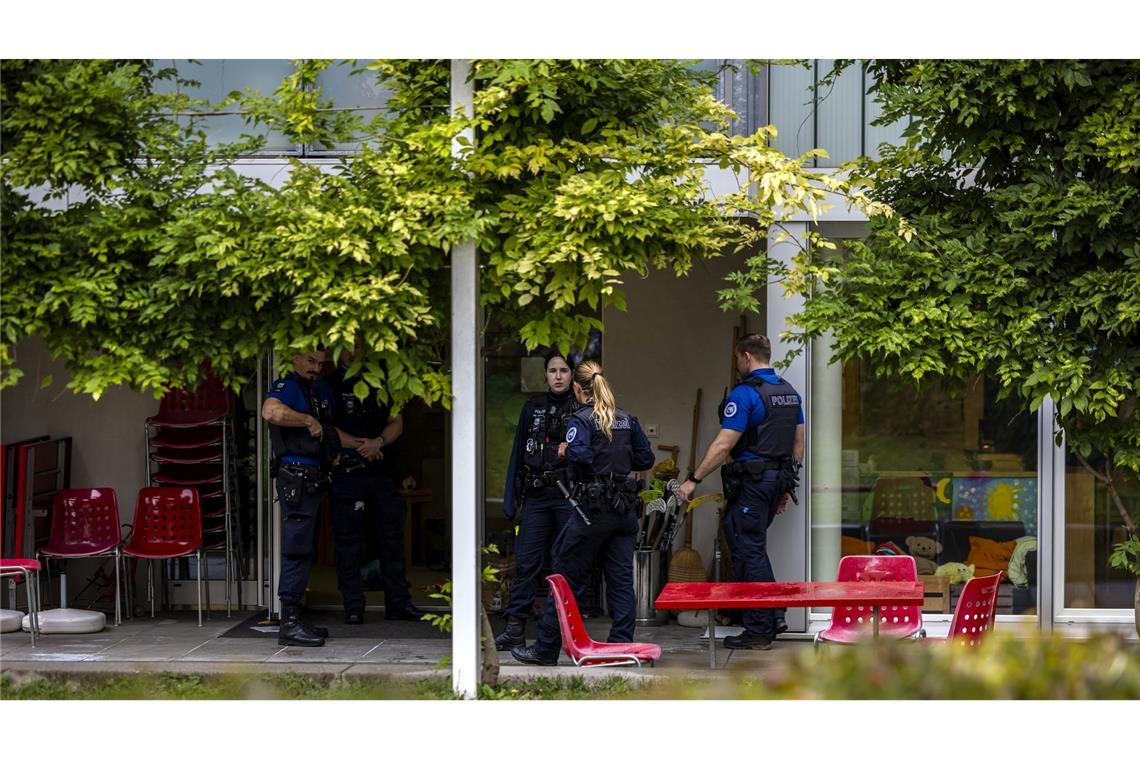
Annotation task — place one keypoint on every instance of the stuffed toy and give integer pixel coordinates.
(889, 548)
(924, 550)
(956, 572)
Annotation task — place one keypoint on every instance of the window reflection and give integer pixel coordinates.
(1093, 525)
(950, 479)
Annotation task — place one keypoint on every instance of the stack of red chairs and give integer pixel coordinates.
(191, 444)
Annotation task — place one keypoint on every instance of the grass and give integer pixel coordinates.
(178, 686)
(1004, 667)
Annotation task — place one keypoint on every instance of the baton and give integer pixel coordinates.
(573, 503)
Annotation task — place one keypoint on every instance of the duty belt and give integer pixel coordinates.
(546, 479)
(752, 467)
(306, 471)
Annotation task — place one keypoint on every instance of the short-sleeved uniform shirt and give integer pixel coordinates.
(744, 408)
(290, 390)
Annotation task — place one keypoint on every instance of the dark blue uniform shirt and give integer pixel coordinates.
(591, 453)
(290, 391)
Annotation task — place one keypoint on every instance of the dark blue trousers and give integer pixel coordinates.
(299, 512)
(746, 522)
(365, 505)
(610, 538)
(544, 514)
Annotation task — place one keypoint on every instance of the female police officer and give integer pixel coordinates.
(603, 444)
(532, 476)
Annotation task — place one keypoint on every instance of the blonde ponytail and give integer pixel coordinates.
(589, 376)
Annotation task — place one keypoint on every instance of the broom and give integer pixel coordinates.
(686, 565)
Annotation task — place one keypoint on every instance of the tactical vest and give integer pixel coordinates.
(775, 437)
(546, 429)
(365, 418)
(296, 441)
(611, 458)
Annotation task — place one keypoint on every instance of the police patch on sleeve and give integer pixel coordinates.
(571, 434)
(730, 409)
(279, 386)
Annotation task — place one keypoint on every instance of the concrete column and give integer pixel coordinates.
(826, 477)
(788, 536)
(466, 435)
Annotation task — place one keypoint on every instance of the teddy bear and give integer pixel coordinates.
(956, 572)
(924, 550)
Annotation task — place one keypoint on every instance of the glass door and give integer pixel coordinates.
(946, 475)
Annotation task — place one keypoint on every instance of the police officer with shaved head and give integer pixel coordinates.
(762, 427)
(299, 409)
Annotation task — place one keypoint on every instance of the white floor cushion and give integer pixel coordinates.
(10, 620)
(69, 621)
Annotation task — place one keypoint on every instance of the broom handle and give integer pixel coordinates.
(693, 461)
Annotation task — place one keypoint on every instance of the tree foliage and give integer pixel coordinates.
(1020, 185)
(159, 253)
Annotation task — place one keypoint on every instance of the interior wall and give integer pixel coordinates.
(107, 435)
(672, 339)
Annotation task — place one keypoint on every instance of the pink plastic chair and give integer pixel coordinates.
(168, 524)
(577, 642)
(85, 523)
(29, 570)
(974, 613)
(850, 625)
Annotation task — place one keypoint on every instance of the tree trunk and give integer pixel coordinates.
(489, 673)
(1136, 606)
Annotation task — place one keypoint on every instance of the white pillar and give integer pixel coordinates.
(466, 435)
(1050, 516)
(788, 536)
(826, 475)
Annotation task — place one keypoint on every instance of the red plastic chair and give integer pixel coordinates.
(29, 570)
(850, 625)
(85, 523)
(577, 642)
(974, 613)
(167, 525)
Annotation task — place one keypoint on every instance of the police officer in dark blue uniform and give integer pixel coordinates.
(603, 445)
(762, 427)
(298, 409)
(366, 502)
(532, 476)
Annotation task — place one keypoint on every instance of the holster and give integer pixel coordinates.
(788, 478)
(608, 494)
(300, 480)
(732, 481)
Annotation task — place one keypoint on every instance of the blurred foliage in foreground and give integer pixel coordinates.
(1004, 667)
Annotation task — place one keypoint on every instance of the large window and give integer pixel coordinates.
(811, 111)
(950, 479)
(1093, 525)
(217, 78)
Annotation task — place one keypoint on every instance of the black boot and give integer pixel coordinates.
(294, 633)
(514, 635)
(748, 640)
(531, 656)
(411, 612)
(316, 630)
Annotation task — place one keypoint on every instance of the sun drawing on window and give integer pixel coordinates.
(1002, 502)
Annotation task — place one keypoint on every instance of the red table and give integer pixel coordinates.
(714, 596)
